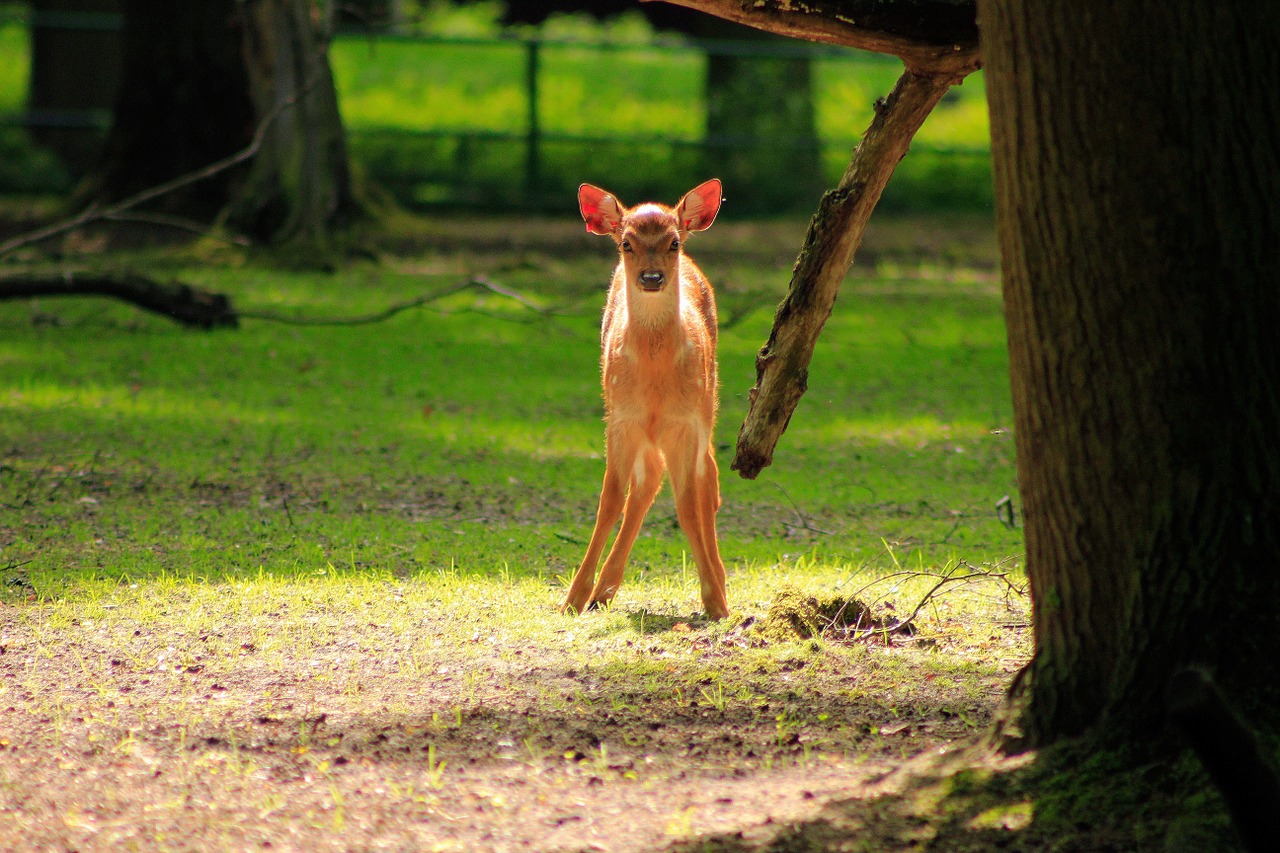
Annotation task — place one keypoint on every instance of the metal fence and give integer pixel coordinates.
(529, 164)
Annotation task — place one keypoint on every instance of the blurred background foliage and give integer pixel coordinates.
(460, 105)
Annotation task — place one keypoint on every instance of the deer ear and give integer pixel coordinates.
(697, 210)
(600, 209)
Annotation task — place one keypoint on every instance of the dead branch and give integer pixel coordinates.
(782, 366)
(188, 305)
(94, 213)
(937, 41)
(193, 306)
(949, 577)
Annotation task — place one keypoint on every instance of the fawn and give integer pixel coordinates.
(658, 368)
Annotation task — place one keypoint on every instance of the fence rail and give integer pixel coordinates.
(521, 164)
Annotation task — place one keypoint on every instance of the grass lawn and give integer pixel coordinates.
(297, 585)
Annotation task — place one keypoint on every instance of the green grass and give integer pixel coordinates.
(373, 435)
(306, 577)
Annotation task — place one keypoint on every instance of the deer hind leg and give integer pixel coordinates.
(646, 479)
(695, 479)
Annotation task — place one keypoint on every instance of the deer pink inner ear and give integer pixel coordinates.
(590, 201)
(698, 209)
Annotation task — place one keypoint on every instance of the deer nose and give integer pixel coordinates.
(651, 279)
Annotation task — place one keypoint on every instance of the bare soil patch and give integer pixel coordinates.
(359, 739)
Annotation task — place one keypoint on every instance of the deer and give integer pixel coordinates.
(658, 371)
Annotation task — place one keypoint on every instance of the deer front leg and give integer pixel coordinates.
(645, 482)
(611, 498)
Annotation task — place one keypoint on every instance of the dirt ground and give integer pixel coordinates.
(114, 744)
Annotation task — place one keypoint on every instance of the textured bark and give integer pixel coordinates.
(183, 103)
(782, 366)
(299, 187)
(926, 34)
(190, 306)
(1137, 166)
(200, 80)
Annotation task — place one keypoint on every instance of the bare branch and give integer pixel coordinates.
(94, 213)
(181, 223)
(782, 366)
(399, 307)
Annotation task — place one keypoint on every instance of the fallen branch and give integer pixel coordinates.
(193, 306)
(188, 305)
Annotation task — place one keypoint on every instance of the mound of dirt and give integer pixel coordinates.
(793, 614)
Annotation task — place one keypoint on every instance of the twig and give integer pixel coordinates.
(399, 307)
(804, 521)
(945, 579)
(178, 222)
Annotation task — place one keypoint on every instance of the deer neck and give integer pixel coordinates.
(655, 313)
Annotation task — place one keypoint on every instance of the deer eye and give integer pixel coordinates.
(675, 246)
(626, 245)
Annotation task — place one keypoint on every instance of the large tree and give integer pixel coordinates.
(205, 80)
(1137, 166)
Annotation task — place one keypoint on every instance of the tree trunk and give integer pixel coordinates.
(183, 103)
(199, 80)
(300, 185)
(1137, 169)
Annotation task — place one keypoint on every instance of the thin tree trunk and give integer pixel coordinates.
(1137, 169)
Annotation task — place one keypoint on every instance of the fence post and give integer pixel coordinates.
(532, 164)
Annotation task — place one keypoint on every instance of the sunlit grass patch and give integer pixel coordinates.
(308, 576)
(913, 432)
